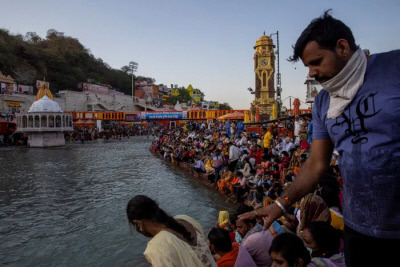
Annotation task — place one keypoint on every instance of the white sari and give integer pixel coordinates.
(166, 249)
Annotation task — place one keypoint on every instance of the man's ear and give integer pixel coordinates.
(343, 49)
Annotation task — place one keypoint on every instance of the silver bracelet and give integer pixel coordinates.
(281, 207)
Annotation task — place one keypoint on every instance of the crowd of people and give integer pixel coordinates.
(254, 170)
(84, 134)
(111, 132)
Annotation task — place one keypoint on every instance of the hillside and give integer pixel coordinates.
(63, 60)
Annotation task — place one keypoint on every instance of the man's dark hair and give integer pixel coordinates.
(288, 178)
(291, 248)
(220, 239)
(327, 238)
(243, 208)
(326, 31)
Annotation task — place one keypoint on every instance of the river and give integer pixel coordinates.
(66, 206)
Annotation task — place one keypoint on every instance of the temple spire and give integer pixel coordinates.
(44, 91)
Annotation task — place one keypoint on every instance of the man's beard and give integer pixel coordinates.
(322, 79)
(339, 65)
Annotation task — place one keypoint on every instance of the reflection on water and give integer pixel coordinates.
(66, 206)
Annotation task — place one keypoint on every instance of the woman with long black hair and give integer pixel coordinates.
(175, 241)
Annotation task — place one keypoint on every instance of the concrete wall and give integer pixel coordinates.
(46, 139)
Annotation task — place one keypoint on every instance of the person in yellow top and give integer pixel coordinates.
(209, 165)
(267, 140)
(185, 128)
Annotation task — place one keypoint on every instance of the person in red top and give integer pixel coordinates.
(259, 153)
(253, 155)
(224, 251)
(285, 161)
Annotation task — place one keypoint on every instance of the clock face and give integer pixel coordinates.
(264, 62)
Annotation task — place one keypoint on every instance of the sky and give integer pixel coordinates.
(208, 44)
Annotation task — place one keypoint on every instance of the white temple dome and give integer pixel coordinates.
(45, 104)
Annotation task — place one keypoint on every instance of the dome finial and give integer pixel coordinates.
(44, 91)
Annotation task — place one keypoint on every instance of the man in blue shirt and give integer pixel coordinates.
(240, 128)
(228, 128)
(357, 113)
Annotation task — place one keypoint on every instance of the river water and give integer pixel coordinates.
(66, 206)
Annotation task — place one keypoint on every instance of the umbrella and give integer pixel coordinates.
(296, 105)
(237, 115)
(79, 122)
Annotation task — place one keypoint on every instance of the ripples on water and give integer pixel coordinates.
(66, 206)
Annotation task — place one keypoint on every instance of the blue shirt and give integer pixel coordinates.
(228, 129)
(309, 132)
(240, 127)
(367, 137)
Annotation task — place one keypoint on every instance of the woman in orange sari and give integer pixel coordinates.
(230, 185)
(225, 179)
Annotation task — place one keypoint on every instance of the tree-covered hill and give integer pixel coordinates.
(62, 60)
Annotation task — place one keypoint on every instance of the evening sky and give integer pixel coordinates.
(208, 44)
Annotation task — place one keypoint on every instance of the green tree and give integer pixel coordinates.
(183, 97)
(63, 60)
(225, 106)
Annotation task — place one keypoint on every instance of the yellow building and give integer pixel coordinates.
(174, 92)
(264, 69)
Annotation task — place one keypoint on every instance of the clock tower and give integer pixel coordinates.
(264, 68)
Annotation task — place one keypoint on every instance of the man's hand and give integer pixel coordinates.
(269, 214)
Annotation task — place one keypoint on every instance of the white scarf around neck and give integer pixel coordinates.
(344, 86)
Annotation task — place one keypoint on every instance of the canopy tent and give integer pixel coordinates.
(84, 124)
(237, 115)
(79, 122)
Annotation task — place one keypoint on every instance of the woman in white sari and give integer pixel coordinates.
(176, 241)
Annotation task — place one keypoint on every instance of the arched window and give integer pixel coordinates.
(43, 121)
(24, 122)
(58, 121)
(51, 121)
(264, 79)
(37, 121)
(30, 122)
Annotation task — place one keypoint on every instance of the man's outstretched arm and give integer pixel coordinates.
(306, 182)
